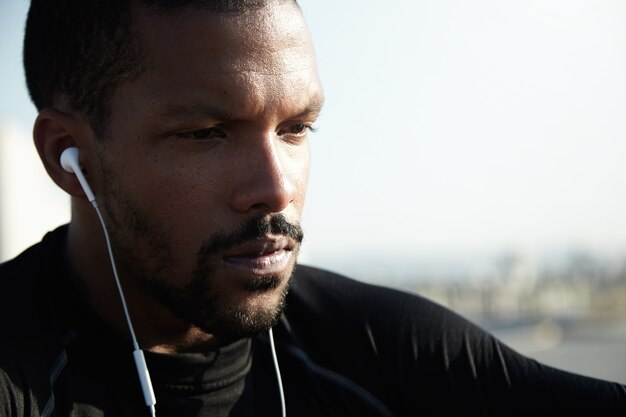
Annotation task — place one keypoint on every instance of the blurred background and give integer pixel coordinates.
(473, 152)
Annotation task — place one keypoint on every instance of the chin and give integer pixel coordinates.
(226, 307)
(250, 313)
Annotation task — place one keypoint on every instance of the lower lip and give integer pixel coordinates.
(269, 264)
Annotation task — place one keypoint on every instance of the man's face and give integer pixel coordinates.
(203, 170)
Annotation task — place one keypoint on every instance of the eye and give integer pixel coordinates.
(202, 134)
(297, 130)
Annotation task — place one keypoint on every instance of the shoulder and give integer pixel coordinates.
(435, 359)
(40, 259)
(26, 279)
(393, 343)
(380, 324)
(31, 285)
(18, 289)
(326, 293)
(30, 339)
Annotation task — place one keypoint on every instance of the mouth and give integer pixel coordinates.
(266, 256)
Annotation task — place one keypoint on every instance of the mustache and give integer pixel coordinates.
(254, 229)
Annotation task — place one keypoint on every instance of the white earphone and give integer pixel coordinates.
(69, 162)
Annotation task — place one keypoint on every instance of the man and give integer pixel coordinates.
(191, 122)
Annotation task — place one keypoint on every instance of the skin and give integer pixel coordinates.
(213, 134)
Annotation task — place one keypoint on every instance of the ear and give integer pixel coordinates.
(54, 132)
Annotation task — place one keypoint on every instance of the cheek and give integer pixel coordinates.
(299, 174)
(185, 205)
(178, 196)
(302, 174)
(178, 178)
(190, 201)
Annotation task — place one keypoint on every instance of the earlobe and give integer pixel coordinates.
(55, 131)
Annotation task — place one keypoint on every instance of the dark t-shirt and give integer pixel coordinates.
(344, 348)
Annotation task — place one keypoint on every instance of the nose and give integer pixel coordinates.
(267, 184)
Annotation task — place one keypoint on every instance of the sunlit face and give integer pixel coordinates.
(204, 167)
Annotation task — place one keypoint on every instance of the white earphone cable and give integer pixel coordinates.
(116, 276)
(140, 361)
(283, 407)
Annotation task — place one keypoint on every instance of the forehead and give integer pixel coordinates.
(254, 33)
(266, 52)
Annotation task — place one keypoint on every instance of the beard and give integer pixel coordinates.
(200, 302)
(145, 252)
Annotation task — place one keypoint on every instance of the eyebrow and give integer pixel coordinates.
(314, 107)
(195, 110)
(178, 112)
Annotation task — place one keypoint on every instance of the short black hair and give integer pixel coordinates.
(84, 49)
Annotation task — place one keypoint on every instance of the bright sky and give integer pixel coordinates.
(450, 128)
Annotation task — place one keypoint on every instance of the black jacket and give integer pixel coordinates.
(344, 348)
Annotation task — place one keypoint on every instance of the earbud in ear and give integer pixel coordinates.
(69, 162)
